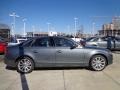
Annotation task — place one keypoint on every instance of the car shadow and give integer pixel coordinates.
(60, 68)
(116, 52)
(1, 53)
(53, 68)
(10, 68)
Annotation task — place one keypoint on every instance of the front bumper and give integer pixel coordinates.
(110, 59)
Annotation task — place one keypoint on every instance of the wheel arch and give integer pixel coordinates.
(101, 55)
(20, 57)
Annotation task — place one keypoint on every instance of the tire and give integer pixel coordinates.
(25, 65)
(98, 63)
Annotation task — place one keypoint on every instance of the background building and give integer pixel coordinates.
(39, 34)
(5, 32)
(36, 34)
(111, 29)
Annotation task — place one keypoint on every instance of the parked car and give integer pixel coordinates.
(89, 38)
(17, 41)
(3, 45)
(55, 52)
(102, 42)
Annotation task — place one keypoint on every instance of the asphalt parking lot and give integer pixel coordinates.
(62, 79)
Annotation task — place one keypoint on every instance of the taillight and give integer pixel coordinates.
(5, 47)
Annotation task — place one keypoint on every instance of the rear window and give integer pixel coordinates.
(94, 39)
(42, 42)
(27, 43)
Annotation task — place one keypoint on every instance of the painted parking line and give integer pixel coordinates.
(24, 82)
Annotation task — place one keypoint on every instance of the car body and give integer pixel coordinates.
(102, 42)
(54, 52)
(17, 41)
(89, 38)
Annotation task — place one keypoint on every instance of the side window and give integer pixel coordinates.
(95, 39)
(27, 43)
(61, 42)
(104, 39)
(42, 42)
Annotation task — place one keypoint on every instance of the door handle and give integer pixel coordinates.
(59, 51)
(35, 51)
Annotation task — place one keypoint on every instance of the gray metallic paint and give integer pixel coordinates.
(55, 56)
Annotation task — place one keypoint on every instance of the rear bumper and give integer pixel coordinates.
(9, 62)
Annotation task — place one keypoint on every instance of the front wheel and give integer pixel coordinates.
(25, 65)
(98, 62)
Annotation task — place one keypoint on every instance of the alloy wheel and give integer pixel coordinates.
(98, 63)
(25, 65)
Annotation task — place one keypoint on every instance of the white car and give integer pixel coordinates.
(18, 41)
(77, 39)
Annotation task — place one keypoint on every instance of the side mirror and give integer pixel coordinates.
(73, 46)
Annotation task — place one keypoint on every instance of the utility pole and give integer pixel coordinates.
(14, 15)
(12, 28)
(24, 26)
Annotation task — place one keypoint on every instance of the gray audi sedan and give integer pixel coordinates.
(55, 52)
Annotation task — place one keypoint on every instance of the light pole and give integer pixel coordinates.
(75, 19)
(12, 28)
(93, 28)
(68, 28)
(24, 27)
(48, 28)
(14, 15)
(33, 27)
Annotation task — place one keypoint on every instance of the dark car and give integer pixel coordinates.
(55, 52)
(102, 42)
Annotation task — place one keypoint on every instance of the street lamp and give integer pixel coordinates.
(14, 15)
(24, 27)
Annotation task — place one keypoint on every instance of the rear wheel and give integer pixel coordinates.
(98, 62)
(25, 65)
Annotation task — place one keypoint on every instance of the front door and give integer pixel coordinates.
(65, 55)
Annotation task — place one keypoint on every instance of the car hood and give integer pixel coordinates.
(94, 47)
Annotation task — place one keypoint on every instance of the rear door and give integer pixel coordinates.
(44, 51)
(102, 42)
